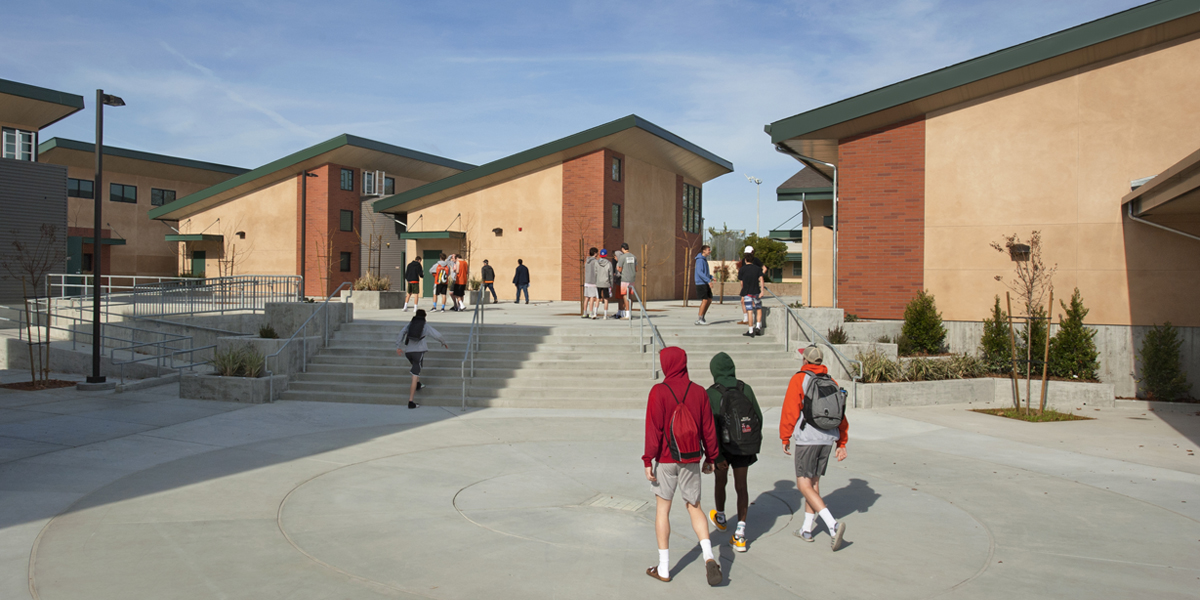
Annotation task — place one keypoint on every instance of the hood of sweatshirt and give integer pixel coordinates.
(722, 369)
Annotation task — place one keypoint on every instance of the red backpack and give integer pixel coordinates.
(683, 435)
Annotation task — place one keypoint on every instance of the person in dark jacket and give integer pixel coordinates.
(413, 274)
(521, 280)
(668, 475)
(725, 375)
(489, 278)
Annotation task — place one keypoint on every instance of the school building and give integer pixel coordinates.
(1089, 135)
(252, 223)
(627, 181)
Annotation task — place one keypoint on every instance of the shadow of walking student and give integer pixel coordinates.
(859, 496)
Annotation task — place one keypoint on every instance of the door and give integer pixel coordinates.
(431, 258)
(198, 263)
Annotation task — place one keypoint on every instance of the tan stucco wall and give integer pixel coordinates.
(528, 209)
(651, 219)
(146, 251)
(1057, 157)
(268, 217)
(820, 268)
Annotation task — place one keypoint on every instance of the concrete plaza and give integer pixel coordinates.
(145, 495)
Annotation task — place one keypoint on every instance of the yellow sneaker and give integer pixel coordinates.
(716, 519)
(739, 542)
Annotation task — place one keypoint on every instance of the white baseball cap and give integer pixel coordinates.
(749, 250)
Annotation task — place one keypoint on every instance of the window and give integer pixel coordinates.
(692, 221)
(389, 186)
(775, 275)
(346, 262)
(81, 188)
(798, 268)
(368, 187)
(348, 180)
(616, 174)
(160, 197)
(86, 265)
(18, 143)
(347, 223)
(616, 216)
(118, 192)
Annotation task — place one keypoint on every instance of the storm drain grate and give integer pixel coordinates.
(616, 502)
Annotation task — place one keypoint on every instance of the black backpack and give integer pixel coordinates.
(740, 425)
(825, 405)
(416, 331)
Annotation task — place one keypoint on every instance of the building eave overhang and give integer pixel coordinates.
(36, 107)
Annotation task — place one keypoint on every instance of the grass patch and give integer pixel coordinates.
(1047, 416)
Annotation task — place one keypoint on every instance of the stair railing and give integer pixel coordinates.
(855, 374)
(473, 338)
(656, 339)
(303, 341)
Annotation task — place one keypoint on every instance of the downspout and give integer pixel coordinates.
(807, 160)
(1163, 227)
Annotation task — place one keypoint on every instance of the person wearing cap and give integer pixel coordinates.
(751, 276)
(812, 448)
(736, 269)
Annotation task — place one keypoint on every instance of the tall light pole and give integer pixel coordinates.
(102, 100)
(757, 202)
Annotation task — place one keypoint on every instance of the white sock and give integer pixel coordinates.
(809, 521)
(664, 567)
(751, 329)
(830, 522)
(706, 548)
(741, 528)
(760, 324)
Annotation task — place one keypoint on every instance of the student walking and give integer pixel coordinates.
(521, 280)
(441, 277)
(413, 274)
(411, 345)
(489, 278)
(604, 280)
(627, 267)
(813, 423)
(737, 269)
(679, 431)
(751, 276)
(739, 423)
(590, 295)
(703, 278)
(459, 288)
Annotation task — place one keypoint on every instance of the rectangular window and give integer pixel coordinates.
(346, 262)
(86, 265)
(348, 180)
(160, 197)
(368, 187)
(616, 168)
(347, 223)
(81, 188)
(389, 186)
(118, 192)
(693, 222)
(797, 269)
(18, 144)
(616, 216)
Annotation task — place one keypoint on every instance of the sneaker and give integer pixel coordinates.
(717, 520)
(586, 317)
(758, 331)
(837, 536)
(739, 542)
(412, 404)
(712, 569)
(702, 321)
(594, 317)
(804, 535)
(420, 386)
(748, 334)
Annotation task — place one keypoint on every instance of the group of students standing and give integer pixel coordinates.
(601, 276)
(451, 274)
(691, 431)
(750, 273)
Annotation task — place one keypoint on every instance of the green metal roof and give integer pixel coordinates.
(88, 147)
(37, 106)
(802, 194)
(298, 157)
(433, 235)
(34, 92)
(105, 241)
(194, 237)
(1008, 59)
(794, 257)
(785, 234)
(545, 150)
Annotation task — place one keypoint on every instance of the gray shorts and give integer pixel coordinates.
(589, 291)
(811, 461)
(416, 359)
(685, 477)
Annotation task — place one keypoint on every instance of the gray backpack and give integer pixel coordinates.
(824, 402)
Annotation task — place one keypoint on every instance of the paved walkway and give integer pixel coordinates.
(144, 495)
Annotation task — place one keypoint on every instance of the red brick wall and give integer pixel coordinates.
(614, 193)
(582, 217)
(881, 219)
(326, 200)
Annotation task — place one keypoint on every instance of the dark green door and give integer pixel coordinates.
(431, 258)
(198, 263)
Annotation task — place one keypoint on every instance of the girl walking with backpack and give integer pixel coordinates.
(411, 345)
(739, 422)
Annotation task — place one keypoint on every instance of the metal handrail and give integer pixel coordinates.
(303, 341)
(800, 321)
(472, 348)
(656, 339)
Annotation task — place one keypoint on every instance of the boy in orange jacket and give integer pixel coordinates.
(812, 448)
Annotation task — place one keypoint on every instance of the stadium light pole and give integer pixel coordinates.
(757, 203)
(102, 100)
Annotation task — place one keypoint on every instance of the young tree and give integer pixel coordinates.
(1163, 377)
(1073, 348)
(31, 262)
(690, 248)
(1031, 283)
(923, 324)
(234, 250)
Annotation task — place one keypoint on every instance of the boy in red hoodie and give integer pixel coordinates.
(813, 447)
(665, 473)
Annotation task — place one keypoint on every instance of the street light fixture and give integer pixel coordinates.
(102, 100)
(757, 202)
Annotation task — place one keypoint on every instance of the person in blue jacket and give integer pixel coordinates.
(703, 279)
(521, 280)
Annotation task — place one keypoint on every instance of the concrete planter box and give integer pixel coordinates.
(291, 360)
(286, 317)
(247, 390)
(1062, 395)
(367, 300)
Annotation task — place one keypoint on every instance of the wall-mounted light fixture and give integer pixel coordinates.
(498, 231)
(241, 235)
(1019, 252)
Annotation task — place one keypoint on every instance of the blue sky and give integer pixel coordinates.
(244, 83)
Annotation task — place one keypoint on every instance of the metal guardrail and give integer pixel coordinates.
(303, 341)
(64, 285)
(656, 339)
(473, 341)
(214, 295)
(801, 322)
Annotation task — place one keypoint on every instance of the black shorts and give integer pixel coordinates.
(459, 289)
(440, 290)
(416, 359)
(703, 291)
(414, 287)
(739, 461)
(603, 293)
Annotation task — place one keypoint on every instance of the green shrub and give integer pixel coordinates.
(1033, 338)
(923, 324)
(796, 304)
(372, 283)
(1073, 351)
(995, 344)
(238, 362)
(850, 318)
(1162, 373)
(904, 346)
(265, 331)
(837, 335)
(474, 284)
(878, 368)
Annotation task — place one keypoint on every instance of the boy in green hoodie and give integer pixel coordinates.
(740, 443)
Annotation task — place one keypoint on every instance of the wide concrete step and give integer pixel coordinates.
(572, 362)
(425, 398)
(549, 374)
